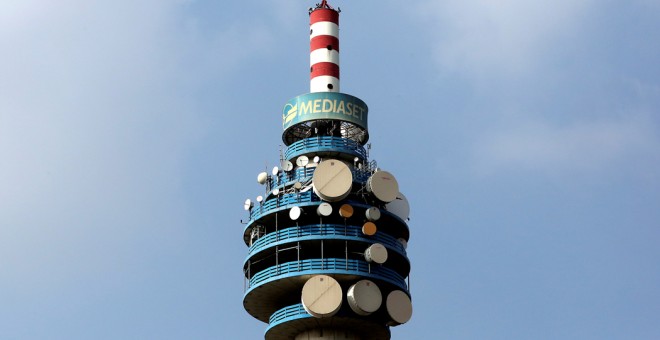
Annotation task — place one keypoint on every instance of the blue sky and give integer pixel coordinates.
(526, 136)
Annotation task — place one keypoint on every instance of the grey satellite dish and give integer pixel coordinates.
(399, 207)
(373, 214)
(302, 161)
(287, 166)
(276, 171)
(404, 243)
(248, 204)
(262, 178)
(297, 185)
(399, 307)
(260, 199)
(294, 213)
(364, 297)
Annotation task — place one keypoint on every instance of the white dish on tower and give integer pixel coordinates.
(276, 192)
(294, 213)
(321, 296)
(248, 204)
(399, 207)
(332, 180)
(276, 171)
(383, 186)
(262, 177)
(376, 253)
(287, 166)
(399, 307)
(260, 199)
(364, 297)
(324, 209)
(302, 161)
(373, 214)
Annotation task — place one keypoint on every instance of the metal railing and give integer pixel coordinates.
(327, 266)
(311, 231)
(287, 314)
(325, 143)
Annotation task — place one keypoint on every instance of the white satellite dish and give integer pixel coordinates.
(321, 296)
(373, 214)
(399, 207)
(302, 161)
(332, 180)
(287, 166)
(260, 199)
(248, 204)
(276, 192)
(262, 177)
(376, 253)
(294, 213)
(276, 171)
(383, 186)
(324, 209)
(317, 159)
(399, 307)
(364, 297)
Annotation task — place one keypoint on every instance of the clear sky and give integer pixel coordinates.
(526, 135)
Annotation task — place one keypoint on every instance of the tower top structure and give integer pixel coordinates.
(327, 240)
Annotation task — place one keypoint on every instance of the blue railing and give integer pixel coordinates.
(312, 231)
(326, 143)
(287, 314)
(281, 202)
(327, 266)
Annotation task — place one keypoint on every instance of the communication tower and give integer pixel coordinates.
(327, 240)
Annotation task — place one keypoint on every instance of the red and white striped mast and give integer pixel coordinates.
(324, 48)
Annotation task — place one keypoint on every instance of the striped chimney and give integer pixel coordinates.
(324, 49)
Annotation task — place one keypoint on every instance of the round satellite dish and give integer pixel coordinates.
(364, 297)
(369, 229)
(287, 166)
(297, 185)
(399, 307)
(383, 186)
(260, 199)
(346, 211)
(294, 213)
(321, 296)
(276, 170)
(404, 243)
(262, 177)
(332, 180)
(248, 204)
(376, 253)
(356, 159)
(399, 207)
(276, 192)
(317, 159)
(302, 161)
(373, 214)
(324, 209)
